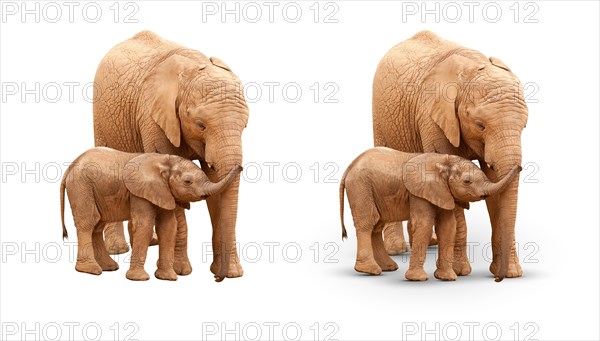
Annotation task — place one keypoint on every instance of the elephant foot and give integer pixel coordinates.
(154, 240)
(137, 275)
(390, 266)
(116, 247)
(434, 240)
(445, 274)
(514, 269)
(416, 275)
(109, 265)
(462, 267)
(88, 267)
(182, 267)
(369, 267)
(165, 274)
(235, 268)
(395, 246)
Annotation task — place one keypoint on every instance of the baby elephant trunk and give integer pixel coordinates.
(217, 187)
(491, 188)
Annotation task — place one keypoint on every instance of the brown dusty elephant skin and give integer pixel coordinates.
(385, 185)
(105, 185)
(154, 95)
(433, 95)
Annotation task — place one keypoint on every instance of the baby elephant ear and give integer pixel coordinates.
(218, 62)
(426, 176)
(147, 176)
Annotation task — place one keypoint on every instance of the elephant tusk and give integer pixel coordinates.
(209, 165)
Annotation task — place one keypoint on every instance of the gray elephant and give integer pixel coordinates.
(433, 95)
(154, 95)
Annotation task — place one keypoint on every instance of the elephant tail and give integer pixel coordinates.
(342, 186)
(62, 202)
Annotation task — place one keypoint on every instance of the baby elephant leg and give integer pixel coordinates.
(422, 215)
(166, 228)
(445, 227)
(365, 260)
(461, 264)
(100, 253)
(143, 215)
(394, 241)
(381, 256)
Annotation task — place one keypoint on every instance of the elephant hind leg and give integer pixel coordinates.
(394, 241)
(100, 254)
(115, 239)
(85, 223)
(381, 256)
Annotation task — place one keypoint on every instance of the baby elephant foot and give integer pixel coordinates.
(391, 266)
(88, 267)
(235, 268)
(445, 275)
(369, 267)
(461, 268)
(395, 246)
(182, 267)
(165, 274)
(416, 275)
(137, 275)
(109, 265)
(117, 247)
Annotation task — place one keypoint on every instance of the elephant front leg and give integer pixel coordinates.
(166, 228)
(394, 241)
(461, 264)
(422, 215)
(143, 216)
(114, 238)
(445, 227)
(181, 265)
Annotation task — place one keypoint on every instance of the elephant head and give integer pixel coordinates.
(480, 103)
(165, 180)
(445, 179)
(199, 103)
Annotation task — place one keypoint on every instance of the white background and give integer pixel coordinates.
(557, 225)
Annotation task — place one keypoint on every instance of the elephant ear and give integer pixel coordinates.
(147, 176)
(497, 62)
(160, 94)
(426, 176)
(440, 92)
(218, 62)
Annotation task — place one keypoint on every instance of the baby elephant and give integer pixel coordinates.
(105, 185)
(385, 185)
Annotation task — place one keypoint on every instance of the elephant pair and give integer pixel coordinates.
(105, 185)
(385, 185)
(429, 95)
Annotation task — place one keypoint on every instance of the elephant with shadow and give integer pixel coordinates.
(156, 96)
(385, 185)
(435, 96)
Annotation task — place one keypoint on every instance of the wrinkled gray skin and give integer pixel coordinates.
(433, 95)
(153, 95)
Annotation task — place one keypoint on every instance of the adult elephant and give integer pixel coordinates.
(433, 95)
(153, 95)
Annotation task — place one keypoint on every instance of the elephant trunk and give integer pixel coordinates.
(493, 188)
(213, 188)
(503, 153)
(226, 155)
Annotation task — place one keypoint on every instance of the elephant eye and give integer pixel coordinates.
(187, 182)
(201, 126)
(480, 125)
(467, 182)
